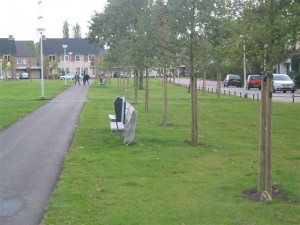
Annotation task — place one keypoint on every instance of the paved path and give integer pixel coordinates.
(32, 152)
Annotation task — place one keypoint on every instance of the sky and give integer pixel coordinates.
(20, 17)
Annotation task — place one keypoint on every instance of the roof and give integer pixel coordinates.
(23, 48)
(7, 46)
(75, 45)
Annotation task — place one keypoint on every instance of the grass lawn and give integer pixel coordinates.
(161, 179)
(18, 98)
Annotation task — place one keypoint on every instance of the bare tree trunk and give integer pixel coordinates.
(204, 84)
(194, 103)
(165, 99)
(147, 92)
(135, 86)
(128, 86)
(218, 84)
(141, 80)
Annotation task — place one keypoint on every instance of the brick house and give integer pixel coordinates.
(80, 56)
(24, 56)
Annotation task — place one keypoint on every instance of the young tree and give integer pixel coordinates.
(66, 30)
(271, 28)
(33, 54)
(188, 24)
(295, 66)
(77, 31)
(122, 29)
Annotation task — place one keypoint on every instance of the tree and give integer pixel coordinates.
(205, 36)
(122, 29)
(188, 24)
(33, 54)
(5, 67)
(77, 31)
(270, 29)
(65, 30)
(295, 66)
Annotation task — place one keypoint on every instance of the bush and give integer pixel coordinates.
(53, 76)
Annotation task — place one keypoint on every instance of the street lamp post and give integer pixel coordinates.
(70, 55)
(65, 47)
(41, 30)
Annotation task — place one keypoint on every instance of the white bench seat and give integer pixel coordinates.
(112, 118)
(127, 126)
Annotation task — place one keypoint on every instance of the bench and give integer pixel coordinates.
(127, 122)
(102, 82)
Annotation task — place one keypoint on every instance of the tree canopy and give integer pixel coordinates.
(137, 32)
(204, 36)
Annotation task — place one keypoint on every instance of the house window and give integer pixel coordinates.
(52, 58)
(62, 70)
(7, 57)
(79, 58)
(81, 70)
(91, 58)
(66, 59)
(21, 61)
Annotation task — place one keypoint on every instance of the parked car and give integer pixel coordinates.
(68, 76)
(253, 81)
(232, 80)
(23, 75)
(282, 82)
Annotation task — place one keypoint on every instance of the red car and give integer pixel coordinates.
(253, 81)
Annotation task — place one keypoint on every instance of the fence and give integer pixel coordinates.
(241, 94)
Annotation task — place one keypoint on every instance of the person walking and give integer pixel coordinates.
(77, 79)
(86, 77)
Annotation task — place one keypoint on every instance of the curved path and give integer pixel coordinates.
(32, 152)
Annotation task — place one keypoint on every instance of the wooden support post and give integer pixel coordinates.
(265, 148)
(262, 145)
(268, 175)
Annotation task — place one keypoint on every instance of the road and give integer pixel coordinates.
(254, 93)
(32, 154)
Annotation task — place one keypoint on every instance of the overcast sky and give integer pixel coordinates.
(20, 17)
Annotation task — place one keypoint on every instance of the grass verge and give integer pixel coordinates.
(162, 179)
(18, 98)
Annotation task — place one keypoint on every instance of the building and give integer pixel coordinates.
(81, 56)
(7, 52)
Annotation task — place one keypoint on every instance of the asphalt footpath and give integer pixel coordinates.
(32, 153)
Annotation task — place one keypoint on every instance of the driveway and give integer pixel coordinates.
(32, 152)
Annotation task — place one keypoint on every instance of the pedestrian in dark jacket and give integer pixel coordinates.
(86, 78)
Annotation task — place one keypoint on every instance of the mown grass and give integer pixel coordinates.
(18, 98)
(161, 179)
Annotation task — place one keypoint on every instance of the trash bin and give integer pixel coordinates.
(119, 104)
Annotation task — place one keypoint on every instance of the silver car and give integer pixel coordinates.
(68, 76)
(282, 82)
(24, 75)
